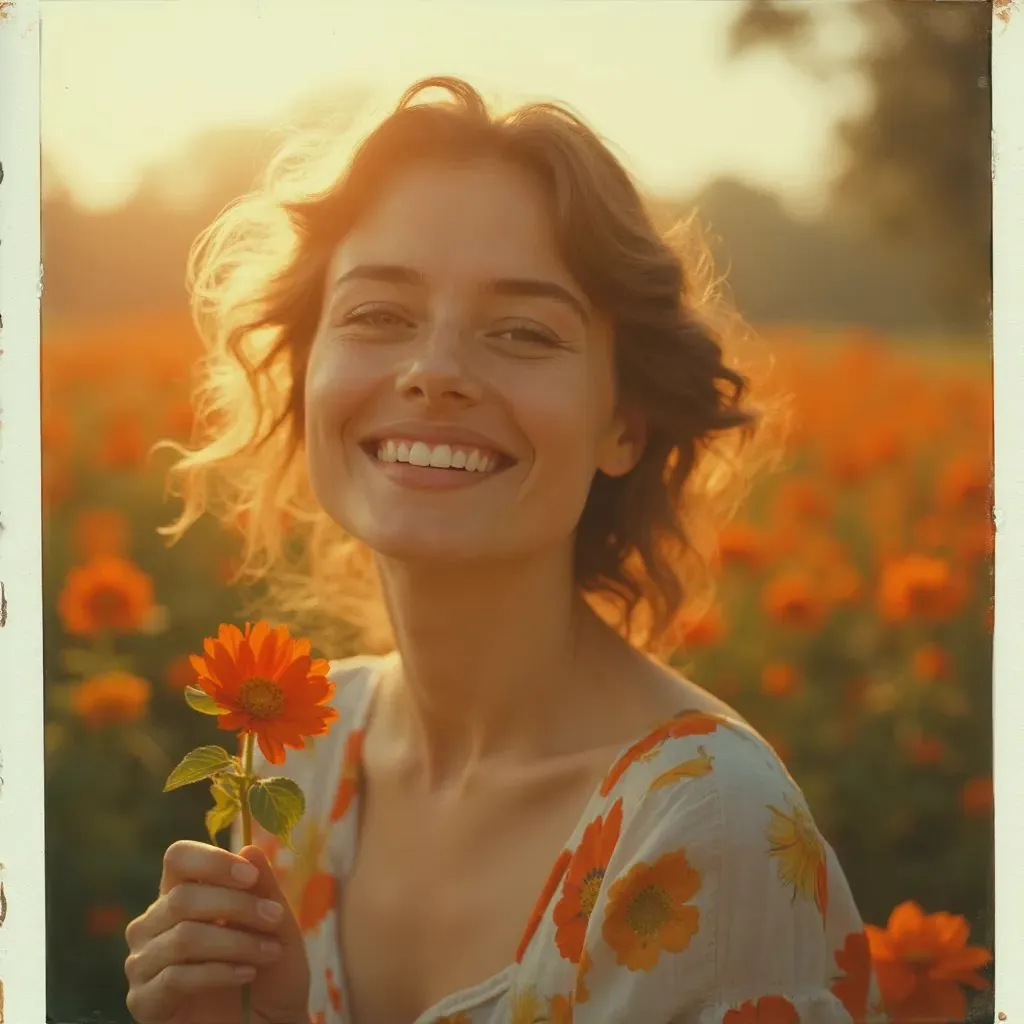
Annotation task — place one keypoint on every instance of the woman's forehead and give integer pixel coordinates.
(471, 236)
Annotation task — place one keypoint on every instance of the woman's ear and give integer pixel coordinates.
(627, 439)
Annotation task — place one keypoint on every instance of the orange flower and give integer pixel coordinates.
(921, 960)
(803, 499)
(269, 684)
(105, 920)
(583, 880)
(554, 877)
(107, 593)
(687, 723)
(767, 1010)
(917, 586)
(965, 483)
(741, 544)
(977, 797)
(931, 662)
(926, 750)
(110, 698)
(99, 532)
(55, 431)
(792, 600)
(690, 633)
(351, 770)
(123, 445)
(180, 673)
(853, 987)
(180, 419)
(649, 911)
(976, 540)
(794, 840)
(779, 679)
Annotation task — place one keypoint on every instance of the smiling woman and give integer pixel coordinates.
(498, 406)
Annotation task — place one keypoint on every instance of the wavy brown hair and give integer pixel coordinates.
(256, 277)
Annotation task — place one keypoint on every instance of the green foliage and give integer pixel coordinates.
(278, 805)
(201, 763)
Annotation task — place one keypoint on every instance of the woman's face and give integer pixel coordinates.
(460, 393)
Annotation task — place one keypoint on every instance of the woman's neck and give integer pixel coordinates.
(492, 662)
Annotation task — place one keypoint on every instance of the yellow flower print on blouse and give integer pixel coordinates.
(800, 851)
(694, 768)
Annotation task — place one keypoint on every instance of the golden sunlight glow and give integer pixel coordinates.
(126, 84)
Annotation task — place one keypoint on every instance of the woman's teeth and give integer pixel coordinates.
(439, 456)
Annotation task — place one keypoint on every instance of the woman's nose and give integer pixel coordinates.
(438, 371)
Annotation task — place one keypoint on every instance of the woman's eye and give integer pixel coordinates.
(372, 318)
(530, 335)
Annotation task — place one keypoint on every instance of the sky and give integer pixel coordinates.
(128, 82)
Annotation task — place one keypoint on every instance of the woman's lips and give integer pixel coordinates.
(429, 477)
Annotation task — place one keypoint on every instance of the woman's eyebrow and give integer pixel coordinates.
(528, 287)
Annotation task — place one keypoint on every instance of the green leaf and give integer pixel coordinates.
(201, 701)
(199, 764)
(277, 804)
(226, 806)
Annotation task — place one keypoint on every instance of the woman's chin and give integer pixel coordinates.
(423, 547)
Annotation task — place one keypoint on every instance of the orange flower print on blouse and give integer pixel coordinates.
(556, 876)
(317, 901)
(649, 912)
(559, 1010)
(688, 723)
(580, 994)
(766, 1010)
(350, 774)
(333, 991)
(583, 881)
(799, 849)
(853, 987)
(694, 768)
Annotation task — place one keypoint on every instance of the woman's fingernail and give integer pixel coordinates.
(244, 873)
(245, 973)
(270, 910)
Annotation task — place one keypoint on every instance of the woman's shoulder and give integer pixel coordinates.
(353, 677)
(706, 779)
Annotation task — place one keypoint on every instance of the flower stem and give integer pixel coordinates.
(247, 750)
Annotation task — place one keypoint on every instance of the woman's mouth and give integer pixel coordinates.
(417, 463)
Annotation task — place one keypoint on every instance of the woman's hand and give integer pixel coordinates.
(220, 921)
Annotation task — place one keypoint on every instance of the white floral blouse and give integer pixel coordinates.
(696, 889)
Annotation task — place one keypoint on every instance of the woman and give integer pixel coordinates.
(473, 356)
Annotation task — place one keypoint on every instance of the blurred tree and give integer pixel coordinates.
(916, 161)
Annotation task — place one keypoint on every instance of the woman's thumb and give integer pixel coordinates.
(267, 885)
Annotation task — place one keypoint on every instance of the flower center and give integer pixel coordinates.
(108, 605)
(589, 891)
(649, 910)
(261, 698)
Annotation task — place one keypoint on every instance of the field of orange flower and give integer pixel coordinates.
(852, 626)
